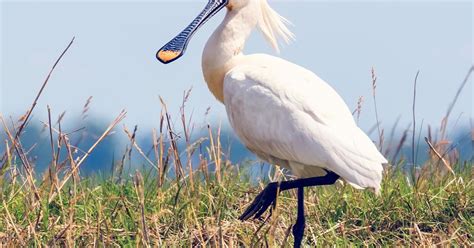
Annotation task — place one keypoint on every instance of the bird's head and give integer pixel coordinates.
(269, 22)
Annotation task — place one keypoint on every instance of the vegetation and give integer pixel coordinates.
(193, 196)
(138, 212)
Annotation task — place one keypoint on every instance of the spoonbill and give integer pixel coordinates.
(282, 112)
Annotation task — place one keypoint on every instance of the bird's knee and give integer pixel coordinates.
(274, 186)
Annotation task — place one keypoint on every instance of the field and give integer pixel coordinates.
(193, 196)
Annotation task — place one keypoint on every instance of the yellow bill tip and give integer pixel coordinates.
(167, 55)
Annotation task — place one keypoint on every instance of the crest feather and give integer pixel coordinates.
(273, 26)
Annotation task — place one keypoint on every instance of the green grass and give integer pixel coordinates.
(104, 212)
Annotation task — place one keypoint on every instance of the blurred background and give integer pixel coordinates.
(113, 60)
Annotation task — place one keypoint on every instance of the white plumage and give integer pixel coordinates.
(289, 116)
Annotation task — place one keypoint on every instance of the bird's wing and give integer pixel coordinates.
(285, 111)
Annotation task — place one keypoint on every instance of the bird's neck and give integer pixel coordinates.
(225, 46)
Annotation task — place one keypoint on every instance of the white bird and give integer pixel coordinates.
(282, 112)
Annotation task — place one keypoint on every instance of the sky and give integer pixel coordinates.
(113, 57)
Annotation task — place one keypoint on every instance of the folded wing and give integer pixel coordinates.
(284, 111)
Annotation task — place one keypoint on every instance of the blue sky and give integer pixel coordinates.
(113, 59)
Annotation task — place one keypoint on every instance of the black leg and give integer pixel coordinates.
(267, 197)
(298, 228)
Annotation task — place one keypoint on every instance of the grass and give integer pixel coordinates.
(200, 204)
(138, 212)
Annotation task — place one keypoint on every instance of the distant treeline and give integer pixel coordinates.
(110, 151)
